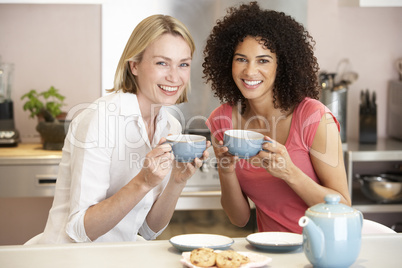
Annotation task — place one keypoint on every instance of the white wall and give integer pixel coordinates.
(119, 18)
(371, 38)
(62, 45)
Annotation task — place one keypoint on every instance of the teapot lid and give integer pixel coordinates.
(331, 205)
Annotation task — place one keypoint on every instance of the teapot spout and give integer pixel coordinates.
(313, 237)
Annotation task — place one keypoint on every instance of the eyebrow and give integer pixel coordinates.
(169, 59)
(259, 56)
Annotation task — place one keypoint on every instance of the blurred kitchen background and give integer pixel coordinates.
(75, 46)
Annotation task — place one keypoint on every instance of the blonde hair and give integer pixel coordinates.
(147, 31)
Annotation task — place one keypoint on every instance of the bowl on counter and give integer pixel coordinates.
(382, 188)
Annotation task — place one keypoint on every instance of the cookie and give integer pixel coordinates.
(244, 259)
(203, 257)
(228, 259)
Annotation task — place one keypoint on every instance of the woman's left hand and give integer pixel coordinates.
(181, 172)
(275, 159)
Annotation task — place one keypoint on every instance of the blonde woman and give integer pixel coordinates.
(116, 178)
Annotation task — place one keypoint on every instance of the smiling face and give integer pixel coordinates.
(254, 69)
(164, 71)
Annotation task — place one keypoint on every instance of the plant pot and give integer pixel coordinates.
(53, 134)
(60, 117)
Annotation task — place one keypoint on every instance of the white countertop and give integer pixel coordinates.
(377, 251)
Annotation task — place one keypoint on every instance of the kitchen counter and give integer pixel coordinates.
(28, 153)
(32, 172)
(383, 150)
(376, 251)
(27, 149)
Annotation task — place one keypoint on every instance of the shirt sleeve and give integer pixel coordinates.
(309, 115)
(219, 121)
(147, 233)
(90, 163)
(75, 227)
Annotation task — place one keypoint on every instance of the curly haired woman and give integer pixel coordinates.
(261, 66)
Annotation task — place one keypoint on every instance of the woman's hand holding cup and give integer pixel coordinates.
(226, 161)
(189, 152)
(157, 164)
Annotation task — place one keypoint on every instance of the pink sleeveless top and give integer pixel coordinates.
(278, 207)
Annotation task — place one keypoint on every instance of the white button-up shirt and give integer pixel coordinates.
(104, 149)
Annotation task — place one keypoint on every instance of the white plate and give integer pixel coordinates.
(256, 260)
(189, 242)
(276, 241)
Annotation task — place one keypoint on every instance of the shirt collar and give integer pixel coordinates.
(129, 104)
(131, 107)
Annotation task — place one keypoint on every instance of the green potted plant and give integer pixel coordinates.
(44, 103)
(46, 106)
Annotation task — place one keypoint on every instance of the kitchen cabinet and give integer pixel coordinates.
(383, 157)
(371, 3)
(27, 179)
(28, 171)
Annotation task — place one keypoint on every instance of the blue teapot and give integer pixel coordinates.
(331, 233)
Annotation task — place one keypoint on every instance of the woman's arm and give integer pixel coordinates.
(233, 201)
(102, 217)
(162, 210)
(327, 159)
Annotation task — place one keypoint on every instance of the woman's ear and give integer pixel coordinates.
(133, 67)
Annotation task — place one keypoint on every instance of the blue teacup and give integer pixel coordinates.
(243, 143)
(187, 147)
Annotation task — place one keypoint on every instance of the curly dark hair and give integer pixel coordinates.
(297, 68)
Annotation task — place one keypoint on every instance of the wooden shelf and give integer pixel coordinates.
(27, 149)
